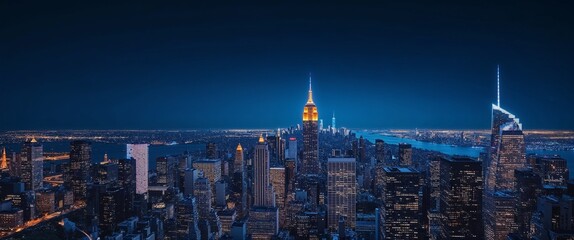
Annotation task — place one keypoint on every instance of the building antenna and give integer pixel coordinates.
(498, 83)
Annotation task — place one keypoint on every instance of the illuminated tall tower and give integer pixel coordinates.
(238, 163)
(261, 184)
(139, 152)
(4, 163)
(507, 153)
(333, 121)
(32, 160)
(263, 216)
(310, 136)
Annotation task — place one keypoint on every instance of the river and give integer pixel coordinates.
(458, 150)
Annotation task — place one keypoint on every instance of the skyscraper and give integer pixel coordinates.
(405, 155)
(507, 150)
(261, 184)
(238, 163)
(203, 195)
(139, 152)
(380, 150)
(32, 160)
(293, 151)
(263, 216)
(402, 210)
(528, 188)
(211, 150)
(507, 153)
(380, 156)
(310, 136)
(4, 162)
(277, 177)
(166, 171)
(554, 170)
(333, 122)
(461, 198)
(80, 162)
(341, 191)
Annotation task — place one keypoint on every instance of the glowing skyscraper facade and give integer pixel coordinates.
(261, 185)
(32, 160)
(341, 191)
(507, 153)
(310, 136)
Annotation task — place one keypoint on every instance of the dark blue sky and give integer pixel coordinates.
(88, 65)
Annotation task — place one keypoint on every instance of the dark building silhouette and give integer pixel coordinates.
(402, 210)
(80, 162)
(461, 198)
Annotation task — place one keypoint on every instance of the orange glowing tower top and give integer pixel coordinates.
(310, 110)
(310, 164)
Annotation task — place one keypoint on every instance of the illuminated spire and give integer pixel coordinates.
(33, 140)
(498, 83)
(310, 99)
(4, 163)
(261, 140)
(239, 148)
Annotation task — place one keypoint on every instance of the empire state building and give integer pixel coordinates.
(310, 136)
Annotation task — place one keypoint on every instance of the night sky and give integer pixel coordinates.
(93, 65)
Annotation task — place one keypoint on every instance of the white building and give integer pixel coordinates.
(139, 152)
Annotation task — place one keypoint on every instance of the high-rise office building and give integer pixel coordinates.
(310, 136)
(261, 194)
(433, 200)
(553, 218)
(32, 160)
(187, 219)
(554, 170)
(507, 153)
(402, 210)
(211, 169)
(202, 193)
(80, 162)
(380, 150)
(341, 191)
(139, 152)
(405, 155)
(211, 151)
(112, 209)
(238, 165)
(277, 177)
(263, 216)
(127, 169)
(380, 157)
(500, 212)
(167, 173)
(507, 148)
(106, 173)
(280, 149)
(461, 198)
(528, 188)
(292, 150)
(362, 154)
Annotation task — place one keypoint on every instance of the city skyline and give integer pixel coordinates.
(407, 66)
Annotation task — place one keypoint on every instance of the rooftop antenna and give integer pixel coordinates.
(498, 83)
